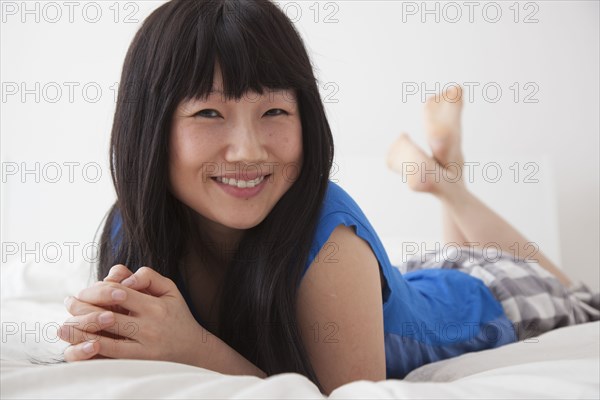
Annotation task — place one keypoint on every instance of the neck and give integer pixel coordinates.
(220, 242)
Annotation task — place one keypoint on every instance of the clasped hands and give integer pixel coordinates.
(134, 316)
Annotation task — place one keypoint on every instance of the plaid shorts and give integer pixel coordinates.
(532, 298)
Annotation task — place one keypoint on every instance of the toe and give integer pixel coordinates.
(453, 94)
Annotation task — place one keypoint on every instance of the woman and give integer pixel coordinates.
(228, 248)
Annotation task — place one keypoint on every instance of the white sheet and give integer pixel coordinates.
(564, 379)
(564, 363)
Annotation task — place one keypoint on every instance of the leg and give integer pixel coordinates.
(451, 232)
(443, 127)
(442, 124)
(465, 216)
(480, 224)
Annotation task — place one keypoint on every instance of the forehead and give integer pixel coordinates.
(217, 94)
(268, 93)
(237, 89)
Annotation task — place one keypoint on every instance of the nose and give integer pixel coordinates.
(245, 146)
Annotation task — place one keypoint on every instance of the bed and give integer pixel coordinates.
(564, 363)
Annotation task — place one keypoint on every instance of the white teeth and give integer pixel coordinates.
(240, 183)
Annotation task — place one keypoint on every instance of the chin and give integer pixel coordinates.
(243, 223)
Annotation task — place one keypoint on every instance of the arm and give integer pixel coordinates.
(217, 355)
(340, 312)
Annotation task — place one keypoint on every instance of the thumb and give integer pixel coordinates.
(149, 281)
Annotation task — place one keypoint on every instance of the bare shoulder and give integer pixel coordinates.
(340, 312)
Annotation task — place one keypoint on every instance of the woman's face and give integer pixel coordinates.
(231, 161)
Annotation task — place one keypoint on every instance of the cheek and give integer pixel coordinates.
(189, 151)
(178, 170)
(287, 147)
(288, 152)
(297, 147)
(189, 160)
(179, 160)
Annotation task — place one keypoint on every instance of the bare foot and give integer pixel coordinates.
(442, 126)
(421, 172)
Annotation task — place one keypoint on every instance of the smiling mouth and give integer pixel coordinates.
(240, 183)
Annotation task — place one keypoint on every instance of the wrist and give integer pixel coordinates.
(200, 348)
(214, 354)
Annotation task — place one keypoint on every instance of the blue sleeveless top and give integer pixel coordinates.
(429, 315)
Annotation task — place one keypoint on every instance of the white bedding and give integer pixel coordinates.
(564, 363)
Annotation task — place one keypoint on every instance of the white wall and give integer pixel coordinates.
(367, 55)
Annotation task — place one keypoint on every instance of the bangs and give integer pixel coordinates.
(250, 49)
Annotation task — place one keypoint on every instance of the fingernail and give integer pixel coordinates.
(106, 318)
(88, 347)
(131, 281)
(67, 300)
(118, 294)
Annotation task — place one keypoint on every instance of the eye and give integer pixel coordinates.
(279, 111)
(208, 113)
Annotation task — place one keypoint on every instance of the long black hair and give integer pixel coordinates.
(172, 58)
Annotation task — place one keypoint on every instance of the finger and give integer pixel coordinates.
(77, 307)
(117, 273)
(73, 335)
(99, 357)
(80, 328)
(81, 351)
(103, 294)
(109, 294)
(88, 327)
(149, 281)
(120, 274)
(126, 348)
